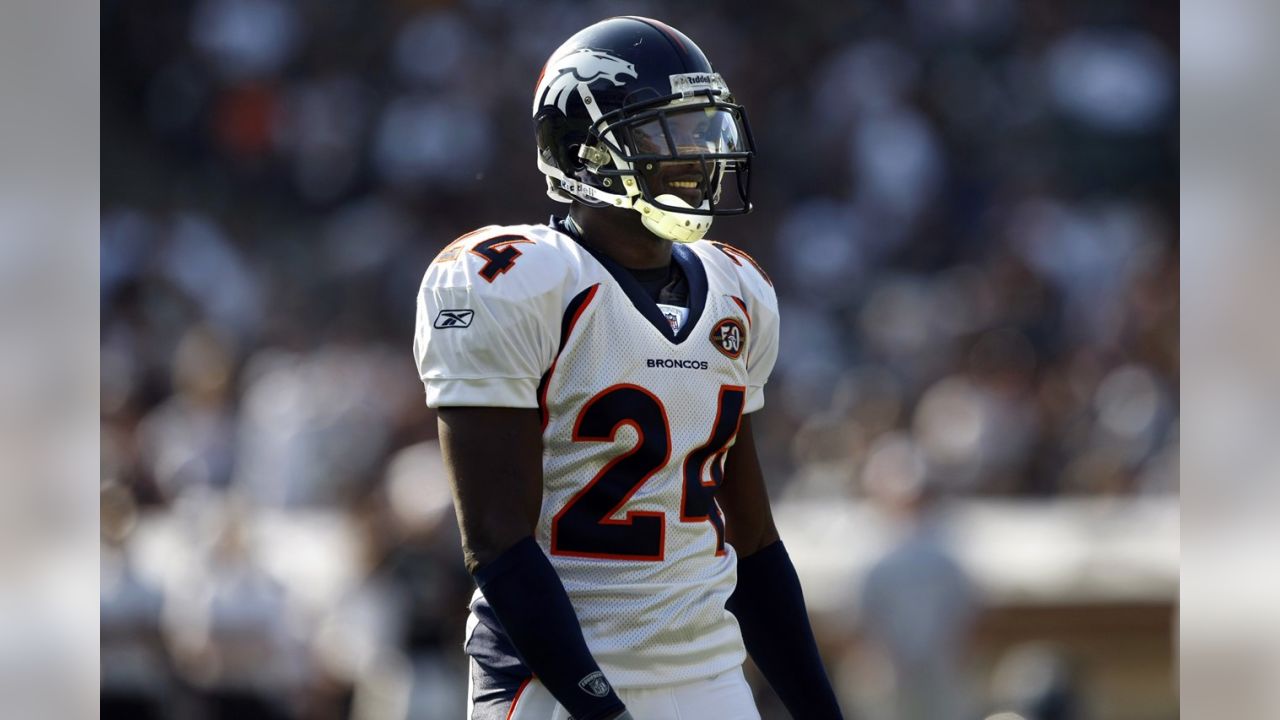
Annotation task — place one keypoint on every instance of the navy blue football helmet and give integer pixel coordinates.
(628, 113)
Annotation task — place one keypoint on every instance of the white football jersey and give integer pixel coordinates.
(637, 419)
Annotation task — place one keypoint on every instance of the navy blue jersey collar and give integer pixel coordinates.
(688, 261)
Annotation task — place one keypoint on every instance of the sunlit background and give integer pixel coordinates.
(969, 211)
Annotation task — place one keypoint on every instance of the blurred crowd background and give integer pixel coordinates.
(969, 211)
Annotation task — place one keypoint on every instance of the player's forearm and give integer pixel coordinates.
(484, 540)
(530, 601)
(770, 608)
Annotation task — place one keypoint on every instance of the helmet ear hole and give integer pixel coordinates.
(558, 142)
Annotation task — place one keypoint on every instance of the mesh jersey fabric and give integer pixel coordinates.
(627, 406)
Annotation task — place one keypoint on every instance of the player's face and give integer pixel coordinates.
(686, 134)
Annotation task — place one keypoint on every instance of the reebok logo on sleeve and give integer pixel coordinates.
(453, 319)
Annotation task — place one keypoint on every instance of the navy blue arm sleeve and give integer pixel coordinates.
(775, 628)
(529, 600)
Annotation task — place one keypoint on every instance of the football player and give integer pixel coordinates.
(595, 379)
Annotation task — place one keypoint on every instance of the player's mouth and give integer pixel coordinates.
(689, 188)
(683, 179)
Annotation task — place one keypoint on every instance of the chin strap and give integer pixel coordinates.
(675, 226)
(666, 224)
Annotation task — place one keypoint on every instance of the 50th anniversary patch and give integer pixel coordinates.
(729, 337)
(453, 319)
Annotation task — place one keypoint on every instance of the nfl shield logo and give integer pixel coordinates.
(595, 684)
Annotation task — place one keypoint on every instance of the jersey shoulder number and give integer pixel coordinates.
(494, 245)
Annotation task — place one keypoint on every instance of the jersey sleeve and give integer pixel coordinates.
(487, 342)
(762, 345)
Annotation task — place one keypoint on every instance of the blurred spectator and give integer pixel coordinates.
(136, 681)
(226, 621)
(918, 605)
(188, 439)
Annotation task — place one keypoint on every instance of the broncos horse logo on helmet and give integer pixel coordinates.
(582, 65)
